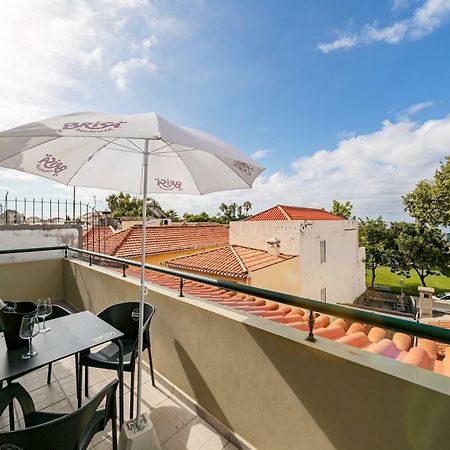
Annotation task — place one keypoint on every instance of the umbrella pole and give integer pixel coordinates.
(142, 287)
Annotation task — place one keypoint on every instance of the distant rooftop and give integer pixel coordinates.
(163, 239)
(283, 212)
(95, 234)
(232, 261)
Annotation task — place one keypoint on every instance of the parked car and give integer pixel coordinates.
(443, 296)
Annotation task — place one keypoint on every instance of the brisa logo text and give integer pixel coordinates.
(50, 164)
(91, 127)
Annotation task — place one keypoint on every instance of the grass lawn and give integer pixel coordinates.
(385, 277)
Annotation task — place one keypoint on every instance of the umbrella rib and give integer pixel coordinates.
(120, 145)
(134, 143)
(166, 144)
(87, 160)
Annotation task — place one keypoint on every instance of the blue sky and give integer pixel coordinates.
(345, 100)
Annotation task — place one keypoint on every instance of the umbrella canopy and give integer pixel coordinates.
(134, 153)
(105, 151)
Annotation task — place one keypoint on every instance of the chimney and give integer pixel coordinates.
(426, 301)
(273, 246)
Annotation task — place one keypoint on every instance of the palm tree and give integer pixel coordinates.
(246, 206)
(172, 214)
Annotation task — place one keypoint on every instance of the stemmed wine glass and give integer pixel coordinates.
(29, 328)
(44, 309)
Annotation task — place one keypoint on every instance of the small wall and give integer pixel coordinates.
(281, 277)
(343, 272)
(255, 234)
(265, 383)
(32, 280)
(28, 236)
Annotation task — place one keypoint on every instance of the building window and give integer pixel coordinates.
(323, 294)
(323, 251)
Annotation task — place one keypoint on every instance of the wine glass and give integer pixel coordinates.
(44, 309)
(29, 328)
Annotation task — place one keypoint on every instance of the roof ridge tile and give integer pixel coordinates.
(239, 259)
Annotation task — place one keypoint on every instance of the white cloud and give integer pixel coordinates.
(261, 153)
(371, 170)
(123, 69)
(345, 41)
(400, 4)
(414, 109)
(345, 134)
(425, 19)
(60, 56)
(150, 42)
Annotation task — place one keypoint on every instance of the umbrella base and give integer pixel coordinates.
(143, 438)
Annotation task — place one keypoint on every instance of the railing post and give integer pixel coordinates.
(181, 287)
(311, 321)
(90, 260)
(65, 252)
(123, 270)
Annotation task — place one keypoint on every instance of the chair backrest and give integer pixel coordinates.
(72, 431)
(125, 317)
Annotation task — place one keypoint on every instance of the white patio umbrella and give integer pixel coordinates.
(141, 153)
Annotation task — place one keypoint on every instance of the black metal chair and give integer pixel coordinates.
(59, 431)
(57, 312)
(121, 354)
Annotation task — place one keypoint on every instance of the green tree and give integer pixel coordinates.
(373, 235)
(429, 202)
(246, 206)
(122, 205)
(202, 217)
(172, 214)
(342, 209)
(233, 211)
(418, 247)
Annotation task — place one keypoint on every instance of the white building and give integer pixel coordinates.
(330, 264)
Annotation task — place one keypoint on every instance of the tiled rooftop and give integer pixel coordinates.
(92, 236)
(398, 346)
(283, 212)
(177, 427)
(231, 260)
(127, 243)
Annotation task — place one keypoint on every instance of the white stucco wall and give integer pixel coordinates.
(255, 234)
(28, 236)
(343, 273)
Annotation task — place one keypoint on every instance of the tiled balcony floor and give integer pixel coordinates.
(177, 427)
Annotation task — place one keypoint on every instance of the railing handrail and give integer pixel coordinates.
(34, 249)
(373, 318)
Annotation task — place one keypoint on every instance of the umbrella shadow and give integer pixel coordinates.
(203, 394)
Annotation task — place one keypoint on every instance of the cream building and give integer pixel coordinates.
(300, 251)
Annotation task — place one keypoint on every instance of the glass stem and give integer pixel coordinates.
(44, 322)
(29, 346)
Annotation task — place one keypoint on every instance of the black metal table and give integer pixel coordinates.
(69, 335)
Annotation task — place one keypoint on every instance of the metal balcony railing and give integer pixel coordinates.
(372, 318)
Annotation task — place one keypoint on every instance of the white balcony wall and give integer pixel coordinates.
(28, 236)
(263, 384)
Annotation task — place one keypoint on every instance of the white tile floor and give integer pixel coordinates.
(177, 427)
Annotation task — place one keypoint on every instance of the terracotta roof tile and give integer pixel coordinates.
(96, 234)
(127, 244)
(283, 212)
(232, 261)
(355, 335)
